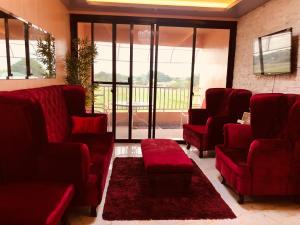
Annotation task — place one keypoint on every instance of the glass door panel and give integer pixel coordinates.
(123, 53)
(122, 76)
(122, 115)
(141, 74)
(211, 58)
(103, 71)
(173, 80)
(103, 102)
(104, 59)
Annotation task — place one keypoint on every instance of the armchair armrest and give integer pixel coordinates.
(237, 136)
(214, 126)
(269, 158)
(64, 162)
(198, 116)
(216, 123)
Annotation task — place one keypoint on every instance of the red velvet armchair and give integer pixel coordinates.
(205, 127)
(29, 192)
(81, 160)
(263, 158)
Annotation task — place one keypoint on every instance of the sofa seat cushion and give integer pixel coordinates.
(96, 143)
(197, 129)
(34, 203)
(165, 156)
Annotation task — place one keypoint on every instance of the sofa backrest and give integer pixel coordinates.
(21, 136)
(227, 101)
(52, 102)
(75, 99)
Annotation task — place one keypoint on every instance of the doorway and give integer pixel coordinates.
(150, 72)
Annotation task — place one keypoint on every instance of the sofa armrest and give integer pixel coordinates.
(198, 116)
(269, 157)
(64, 162)
(237, 136)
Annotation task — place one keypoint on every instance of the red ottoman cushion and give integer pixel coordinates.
(167, 165)
(165, 156)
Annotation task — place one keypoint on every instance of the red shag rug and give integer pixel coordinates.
(128, 197)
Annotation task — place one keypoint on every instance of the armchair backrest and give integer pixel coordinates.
(293, 123)
(268, 115)
(21, 137)
(227, 101)
(275, 116)
(239, 102)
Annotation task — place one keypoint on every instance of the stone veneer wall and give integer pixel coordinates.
(273, 16)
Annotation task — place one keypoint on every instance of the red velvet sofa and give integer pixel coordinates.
(205, 127)
(52, 153)
(24, 197)
(263, 158)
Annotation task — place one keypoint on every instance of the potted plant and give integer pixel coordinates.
(78, 66)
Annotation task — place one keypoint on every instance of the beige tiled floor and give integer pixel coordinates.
(252, 212)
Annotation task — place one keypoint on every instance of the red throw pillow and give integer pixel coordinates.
(88, 125)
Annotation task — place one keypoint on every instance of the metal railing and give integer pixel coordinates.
(167, 98)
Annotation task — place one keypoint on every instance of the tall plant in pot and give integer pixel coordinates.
(78, 66)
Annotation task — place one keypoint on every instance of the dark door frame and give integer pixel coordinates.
(114, 20)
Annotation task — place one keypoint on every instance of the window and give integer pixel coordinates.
(27, 51)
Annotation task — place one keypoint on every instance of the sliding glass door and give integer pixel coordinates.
(172, 80)
(102, 76)
(149, 73)
(142, 75)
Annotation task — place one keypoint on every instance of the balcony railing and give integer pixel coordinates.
(167, 99)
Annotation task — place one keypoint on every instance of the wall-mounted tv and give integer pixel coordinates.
(272, 53)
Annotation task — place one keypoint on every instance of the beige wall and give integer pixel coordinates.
(52, 16)
(275, 15)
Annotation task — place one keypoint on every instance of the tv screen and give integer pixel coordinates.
(272, 53)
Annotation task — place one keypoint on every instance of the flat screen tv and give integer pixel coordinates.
(272, 53)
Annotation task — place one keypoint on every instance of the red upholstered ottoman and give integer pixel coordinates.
(167, 166)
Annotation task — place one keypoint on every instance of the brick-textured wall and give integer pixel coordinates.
(273, 16)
